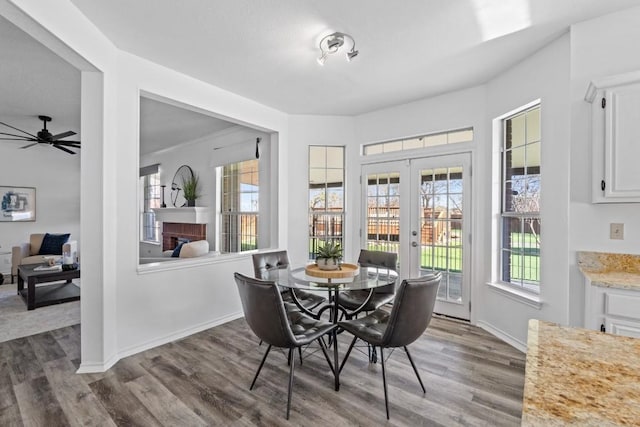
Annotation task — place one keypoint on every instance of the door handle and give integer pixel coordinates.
(414, 244)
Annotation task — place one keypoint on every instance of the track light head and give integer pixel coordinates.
(331, 43)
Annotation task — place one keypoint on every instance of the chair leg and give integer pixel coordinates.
(300, 353)
(414, 368)
(292, 361)
(326, 355)
(384, 382)
(260, 367)
(346, 356)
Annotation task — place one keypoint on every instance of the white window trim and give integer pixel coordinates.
(511, 291)
(221, 215)
(343, 213)
(516, 294)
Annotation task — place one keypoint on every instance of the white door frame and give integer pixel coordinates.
(408, 170)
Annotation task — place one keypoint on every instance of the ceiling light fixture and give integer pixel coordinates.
(332, 43)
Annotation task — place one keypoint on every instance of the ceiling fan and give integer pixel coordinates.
(42, 137)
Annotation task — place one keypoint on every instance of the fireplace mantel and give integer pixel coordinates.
(192, 215)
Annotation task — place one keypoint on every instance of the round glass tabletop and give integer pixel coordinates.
(369, 277)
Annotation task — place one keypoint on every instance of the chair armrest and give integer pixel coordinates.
(17, 254)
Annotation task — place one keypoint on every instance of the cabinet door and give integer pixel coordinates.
(622, 142)
(615, 132)
(622, 327)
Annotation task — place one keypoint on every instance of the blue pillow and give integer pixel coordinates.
(176, 251)
(52, 244)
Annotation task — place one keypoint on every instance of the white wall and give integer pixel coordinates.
(600, 47)
(56, 178)
(315, 130)
(455, 110)
(544, 75)
(157, 307)
(124, 311)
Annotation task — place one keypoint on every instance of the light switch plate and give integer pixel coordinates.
(616, 231)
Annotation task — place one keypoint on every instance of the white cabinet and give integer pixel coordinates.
(615, 120)
(612, 310)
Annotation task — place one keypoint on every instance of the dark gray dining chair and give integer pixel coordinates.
(267, 317)
(352, 300)
(266, 261)
(409, 318)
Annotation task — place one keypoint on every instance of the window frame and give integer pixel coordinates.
(253, 216)
(333, 220)
(504, 274)
(430, 140)
(148, 204)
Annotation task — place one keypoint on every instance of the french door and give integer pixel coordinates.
(415, 208)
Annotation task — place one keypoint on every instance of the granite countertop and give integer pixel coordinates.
(580, 377)
(610, 270)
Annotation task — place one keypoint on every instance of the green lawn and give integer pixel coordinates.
(435, 257)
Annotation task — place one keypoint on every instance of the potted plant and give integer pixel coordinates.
(191, 189)
(328, 256)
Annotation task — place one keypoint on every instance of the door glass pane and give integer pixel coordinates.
(383, 212)
(440, 215)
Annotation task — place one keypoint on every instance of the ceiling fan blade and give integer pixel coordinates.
(15, 139)
(25, 138)
(67, 142)
(30, 145)
(19, 130)
(62, 135)
(63, 149)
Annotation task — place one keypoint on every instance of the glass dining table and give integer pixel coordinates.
(366, 279)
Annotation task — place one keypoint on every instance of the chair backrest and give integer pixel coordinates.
(264, 310)
(263, 262)
(378, 259)
(411, 311)
(389, 260)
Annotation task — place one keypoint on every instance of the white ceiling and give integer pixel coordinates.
(266, 50)
(34, 81)
(163, 125)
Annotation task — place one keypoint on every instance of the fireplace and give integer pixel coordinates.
(172, 232)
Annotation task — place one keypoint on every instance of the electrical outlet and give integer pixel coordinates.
(616, 231)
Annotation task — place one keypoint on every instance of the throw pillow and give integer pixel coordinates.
(52, 244)
(176, 251)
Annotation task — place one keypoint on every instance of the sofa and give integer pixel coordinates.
(29, 253)
(195, 249)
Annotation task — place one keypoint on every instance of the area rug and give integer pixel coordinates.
(16, 321)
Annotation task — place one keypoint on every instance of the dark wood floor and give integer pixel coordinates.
(472, 379)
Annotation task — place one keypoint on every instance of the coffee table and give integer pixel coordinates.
(41, 296)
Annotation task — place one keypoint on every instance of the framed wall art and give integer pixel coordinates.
(17, 204)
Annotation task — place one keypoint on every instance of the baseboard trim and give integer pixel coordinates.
(512, 341)
(96, 367)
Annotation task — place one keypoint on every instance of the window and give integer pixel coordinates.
(150, 182)
(432, 140)
(240, 207)
(520, 210)
(326, 196)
